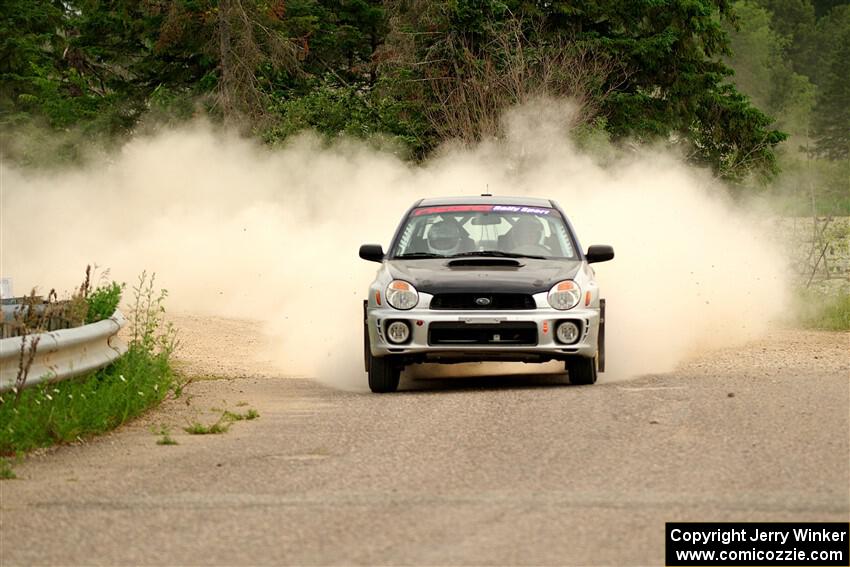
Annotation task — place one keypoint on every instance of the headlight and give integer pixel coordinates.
(564, 295)
(567, 332)
(402, 295)
(398, 332)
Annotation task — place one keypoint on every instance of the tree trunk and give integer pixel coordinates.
(225, 58)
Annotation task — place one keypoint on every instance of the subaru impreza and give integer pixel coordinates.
(471, 279)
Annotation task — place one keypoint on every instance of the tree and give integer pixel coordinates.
(794, 21)
(668, 53)
(823, 7)
(647, 70)
(831, 122)
(33, 69)
(512, 68)
(763, 72)
(251, 36)
(676, 87)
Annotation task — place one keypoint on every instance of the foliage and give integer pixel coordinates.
(826, 310)
(249, 415)
(222, 424)
(147, 318)
(100, 401)
(197, 428)
(334, 109)
(794, 21)
(806, 71)
(818, 250)
(166, 438)
(6, 471)
(812, 187)
(414, 71)
(763, 70)
(36, 314)
(675, 85)
(831, 120)
(103, 301)
(667, 83)
(508, 63)
(791, 57)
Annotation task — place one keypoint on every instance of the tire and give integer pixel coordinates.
(601, 338)
(367, 350)
(582, 370)
(383, 375)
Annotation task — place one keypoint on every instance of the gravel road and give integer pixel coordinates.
(507, 470)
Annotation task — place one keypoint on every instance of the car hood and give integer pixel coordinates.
(480, 275)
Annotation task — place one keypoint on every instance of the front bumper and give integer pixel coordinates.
(420, 348)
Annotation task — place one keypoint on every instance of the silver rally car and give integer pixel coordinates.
(469, 279)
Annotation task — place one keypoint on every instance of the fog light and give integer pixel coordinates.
(568, 332)
(398, 332)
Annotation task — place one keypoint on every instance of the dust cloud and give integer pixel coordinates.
(234, 229)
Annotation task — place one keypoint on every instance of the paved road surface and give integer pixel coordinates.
(508, 470)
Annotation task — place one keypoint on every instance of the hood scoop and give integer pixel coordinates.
(484, 263)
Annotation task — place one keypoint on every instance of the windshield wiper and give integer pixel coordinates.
(419, 255)
(496, 253)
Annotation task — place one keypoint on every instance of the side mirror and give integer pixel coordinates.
(599, 253)
(372, 252)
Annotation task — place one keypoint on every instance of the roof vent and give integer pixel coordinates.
(486, 194)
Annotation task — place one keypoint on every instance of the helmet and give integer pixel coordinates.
(526, 231)
(445, 237)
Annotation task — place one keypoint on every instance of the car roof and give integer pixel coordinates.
(486, 200)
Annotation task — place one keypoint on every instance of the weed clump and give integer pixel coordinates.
(223, 424)
(247, 416)
(166, 438)
(197, 428)
(103, 301)
(6, 472)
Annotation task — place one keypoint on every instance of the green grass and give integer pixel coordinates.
(98, 402)
(826, 311)
(166, 438)
(70, 410)
(223, 424)
(103, 301)
(6, 472)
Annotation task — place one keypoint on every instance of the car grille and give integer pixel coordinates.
(496, 301)
(504, 333)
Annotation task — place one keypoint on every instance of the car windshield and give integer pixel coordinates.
(488, 230)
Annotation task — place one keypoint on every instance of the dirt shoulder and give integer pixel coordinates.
(221, 347)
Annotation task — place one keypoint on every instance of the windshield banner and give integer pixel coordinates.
(482, 208)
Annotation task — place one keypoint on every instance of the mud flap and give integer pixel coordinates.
(601, 337)
(367, 351)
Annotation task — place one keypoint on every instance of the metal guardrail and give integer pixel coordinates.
(11, 326)
(63, 354)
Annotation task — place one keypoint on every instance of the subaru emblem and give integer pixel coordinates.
(482, 301)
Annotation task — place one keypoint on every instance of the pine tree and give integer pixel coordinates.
(831, 121)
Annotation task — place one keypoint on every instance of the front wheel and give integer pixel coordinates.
(383, 375)
(581, 370)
